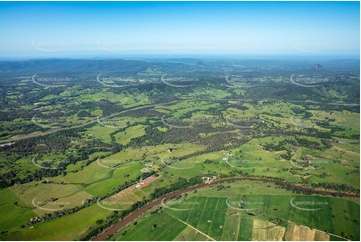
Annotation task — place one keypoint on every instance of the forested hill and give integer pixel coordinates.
(30, 67)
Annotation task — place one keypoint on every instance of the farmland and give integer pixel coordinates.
(249, 215)
(77, 159)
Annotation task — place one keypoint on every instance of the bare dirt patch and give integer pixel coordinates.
(299, 232)
(126, 192)
(234, 213)
(321, 236)
(264, 230)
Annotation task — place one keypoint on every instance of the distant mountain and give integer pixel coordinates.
(317, 67)
(72, 66)
(200, 63)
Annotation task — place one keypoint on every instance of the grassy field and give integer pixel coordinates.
(81, 164)
(191, 234)
(282, 113)
(179, 109)
(209, 93)
(71, 190)
(252, 155)
(36, 194)
(126, 99)
(129, 133)
(99, 180)
(219, 215)
(159, 226)
(65, 228)
(210, 213)
(14, 211)
(163, 129)
(211, 208)
(337, 163)
(245, 229)
(230, 228)
(344, 119)
(99, 132)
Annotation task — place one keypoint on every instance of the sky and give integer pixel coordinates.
(60, 29)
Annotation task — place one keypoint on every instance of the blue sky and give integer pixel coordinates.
(117, 28)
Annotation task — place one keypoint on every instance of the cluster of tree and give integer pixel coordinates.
(180, 184)
(222, 187)
(52, 143)
(296, 141)
(157, 210)
(336, 187)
